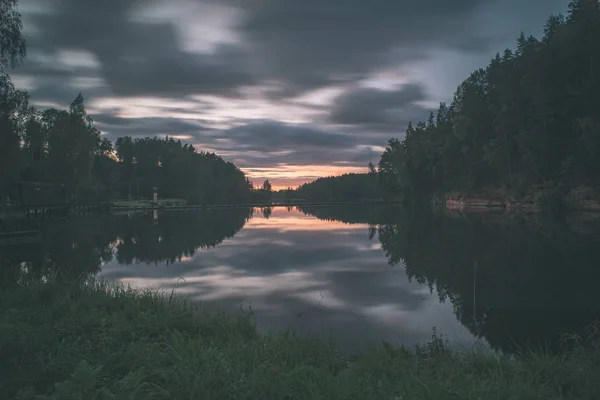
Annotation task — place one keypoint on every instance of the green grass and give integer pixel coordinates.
(147, 203)
(94, 340)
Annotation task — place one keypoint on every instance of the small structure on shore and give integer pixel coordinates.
(155, 196)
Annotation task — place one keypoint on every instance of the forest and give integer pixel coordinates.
(346, 187)
(526, 126)
(63, 147)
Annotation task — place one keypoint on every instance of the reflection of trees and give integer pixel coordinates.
(79, 245)
(267, 211)
(511, 280)
(177, 234)
(373, 214)
(72, 246)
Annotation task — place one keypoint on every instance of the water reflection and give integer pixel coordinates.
(482, 278)
(80, 245)
(177, 235)
(511, 280)
(303, 273)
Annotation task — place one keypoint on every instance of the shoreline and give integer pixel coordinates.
(579, 199)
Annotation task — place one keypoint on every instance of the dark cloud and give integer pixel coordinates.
(269, 143)
(346, 157)
(300, 44)
(290, 46)
(56, 81)
(139, 58)
(62, 93)
(150, 127)
(379, 109)
(267, 135)
(312, 43)
(174, 73)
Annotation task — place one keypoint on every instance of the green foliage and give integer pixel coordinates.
(178, 171)
(12, 43)
(66, 340)
(13, 112)
(531, 116)
(72, 142)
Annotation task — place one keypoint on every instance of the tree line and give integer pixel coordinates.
(346, 187)
(64, 147)
(527, 124)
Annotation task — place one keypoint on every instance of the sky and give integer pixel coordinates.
(288, 90)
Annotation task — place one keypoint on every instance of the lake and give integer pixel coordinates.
(360, 274)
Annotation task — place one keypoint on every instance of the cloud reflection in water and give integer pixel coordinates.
(298, 272)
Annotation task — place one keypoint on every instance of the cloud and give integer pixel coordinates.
(139, 57)
(270, 144)
(219, 47)
(156, 126)
(379, 109)
(266, 135)
(312, 43)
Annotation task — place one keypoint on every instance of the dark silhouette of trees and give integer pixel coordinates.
(347, 187)
(266, 186)
(267, 211)
(512, 280)
(13, 103)
(72, 142)
(264, 195)
(179, 171)
(12, 44)
(527, 123)
(63, 147)
(13, 109)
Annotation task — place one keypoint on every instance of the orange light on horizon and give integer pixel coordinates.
(294, 220)
(284, 176)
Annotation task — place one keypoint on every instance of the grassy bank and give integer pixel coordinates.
(97, 341)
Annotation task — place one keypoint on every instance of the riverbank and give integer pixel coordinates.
(535, 200)
(134, 205)
(68, 341)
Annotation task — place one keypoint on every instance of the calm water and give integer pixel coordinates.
(359, 273)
